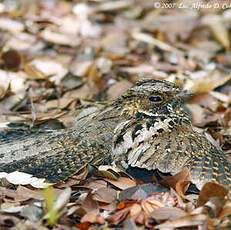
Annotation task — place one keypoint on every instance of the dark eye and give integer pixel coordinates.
(155, 99)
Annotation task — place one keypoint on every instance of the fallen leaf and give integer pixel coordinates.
(90, 218)
(209, 190)
(119, 216)
(60, 38)
(11, 25)
(214, 206)
(226, 211)
(117, 89)
(90, 205)
(185, 221)
(122, 182)
(150, 205)
(106, 195)
(167, 213)
(141, 192)
(182, 176)
(18, 178)
(218, 28)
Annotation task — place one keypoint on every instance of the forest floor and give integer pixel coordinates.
(57, 55)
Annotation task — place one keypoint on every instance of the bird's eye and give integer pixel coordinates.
(155, 99)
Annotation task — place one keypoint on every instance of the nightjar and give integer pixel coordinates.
(147, 127)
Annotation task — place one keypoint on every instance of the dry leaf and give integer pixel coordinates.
(122, 182)
(167, 213)
(209, 190)
(90, 218)
(141, 192)
(90, 205)
(60, 38)
(11, 25)
(106, 195)
(182, 176)
(117, 89)
(20, 178)
(218, 28)
(185, 221)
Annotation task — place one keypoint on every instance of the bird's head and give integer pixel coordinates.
(155, 97)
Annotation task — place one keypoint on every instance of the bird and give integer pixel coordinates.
(147, 127)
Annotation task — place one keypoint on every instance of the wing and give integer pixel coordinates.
(19, 131)
(158, 146)
(55, 168)
(59, 154)
(55, 156)
(209, 164)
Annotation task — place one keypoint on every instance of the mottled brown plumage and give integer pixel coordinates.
(147, 127)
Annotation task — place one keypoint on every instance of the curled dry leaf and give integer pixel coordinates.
(141, 192)
(135, 209)
(61, 103)
(12, 82)
(89, 205)
(153, 41)
(11, 208)
(20, 194)
(218, 29)
(173, 181)
(207, 101)
(202, 116)
(85, 92)
(90, 218)
(60, 38)
(117, 89)
(209, 190)
(140, 211)
(81, 68)
(20, 178)
(185, 221)
(207, 82)
(29, 193)
(62, 199)
(167, 213)
(122, 182)
(97, 184)
(45, 67)
(150, 205)
(105, 195)
(119, 215)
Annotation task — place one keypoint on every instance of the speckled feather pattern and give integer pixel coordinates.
(147, 127)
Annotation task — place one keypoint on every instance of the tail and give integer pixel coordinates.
(211, 166)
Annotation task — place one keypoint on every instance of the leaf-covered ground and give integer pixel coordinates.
(57, 55)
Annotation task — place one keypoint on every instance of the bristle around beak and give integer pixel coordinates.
(185, 95)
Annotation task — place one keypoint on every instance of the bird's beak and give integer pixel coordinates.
(185, 95)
